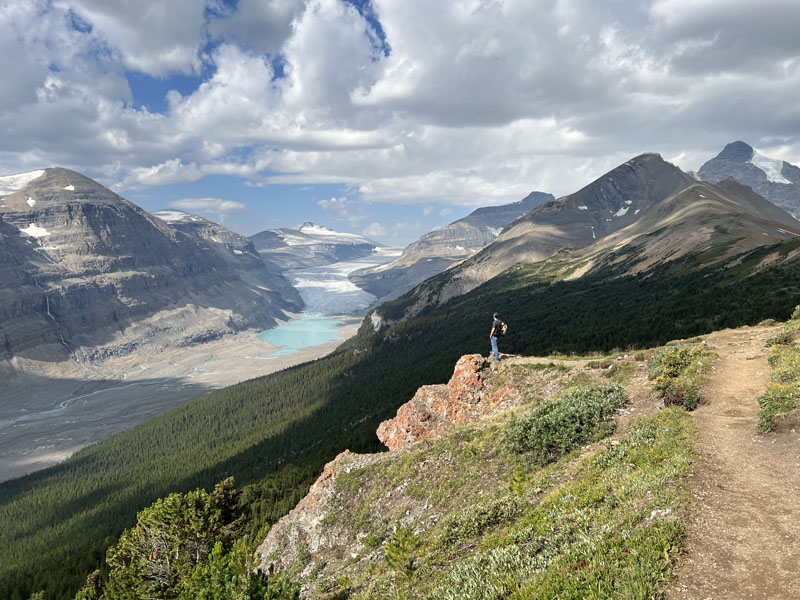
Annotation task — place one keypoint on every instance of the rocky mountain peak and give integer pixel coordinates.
(738, 151)
(52, 186)
(776, 180)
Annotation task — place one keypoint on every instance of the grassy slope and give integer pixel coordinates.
(275, 432)
(474, 520)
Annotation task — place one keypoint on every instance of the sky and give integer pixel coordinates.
(386, 118)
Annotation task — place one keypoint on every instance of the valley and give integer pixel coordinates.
(644, 255)
(51, 410)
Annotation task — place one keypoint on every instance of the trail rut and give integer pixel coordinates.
(744, 529)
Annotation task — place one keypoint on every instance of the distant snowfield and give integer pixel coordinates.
(11, 183)
(328, 291)
(772, 167)
(33, 230)
(174, 216)
(315, 234)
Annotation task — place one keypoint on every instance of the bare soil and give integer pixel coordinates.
(744, 527)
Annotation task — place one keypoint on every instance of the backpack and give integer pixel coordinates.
(503, 329)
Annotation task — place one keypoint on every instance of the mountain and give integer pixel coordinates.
(606, 205)
(236, 250)
(309, 246)
(639, 289)
(776, 180)
(437, 250)
(646, 205)
(89, 265)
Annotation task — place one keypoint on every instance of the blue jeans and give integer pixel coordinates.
(494, 348)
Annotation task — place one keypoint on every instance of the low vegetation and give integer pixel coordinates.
(602, 523)
(783, 394)
(553, 428)
(679, 372)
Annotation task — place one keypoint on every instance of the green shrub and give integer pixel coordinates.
(553, 428)
(400, 551)
(678, 372)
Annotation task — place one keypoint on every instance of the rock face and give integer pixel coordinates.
(86, 266)
(437, 250)
(236, 250)
(309, 246)
(776, 180)
(436, 408)
(304, 526)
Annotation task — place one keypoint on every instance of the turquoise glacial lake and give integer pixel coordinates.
(309, 330)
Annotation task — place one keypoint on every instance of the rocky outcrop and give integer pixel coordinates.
(330, 531)
(304, 527)
(468, 396)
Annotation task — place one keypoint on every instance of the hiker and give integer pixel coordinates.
(495, 333)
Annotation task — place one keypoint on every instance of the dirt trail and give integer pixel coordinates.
(744, 533)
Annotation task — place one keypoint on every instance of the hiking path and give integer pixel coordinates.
(744, 526)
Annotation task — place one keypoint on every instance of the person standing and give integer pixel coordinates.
(495, 333)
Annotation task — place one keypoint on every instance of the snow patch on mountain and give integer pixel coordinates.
(771, 166)
(175, 216)
(11, 183)
(33, 230)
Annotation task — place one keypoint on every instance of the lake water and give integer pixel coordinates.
(327, 293)
(310, 329)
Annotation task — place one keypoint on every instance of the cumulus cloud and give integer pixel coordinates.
(475, 103)
(150, 36)
(375, 230)
(262, 25)
(214, 206)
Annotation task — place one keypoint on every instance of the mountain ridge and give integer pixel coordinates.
(644, 197)
(437, 250)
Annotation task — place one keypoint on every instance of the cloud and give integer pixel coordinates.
(375, 230)
(428, 211)
(150, 36)
(215, 206)
(344, 210)
(475, 103)
(170, 171)
(262, 25)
